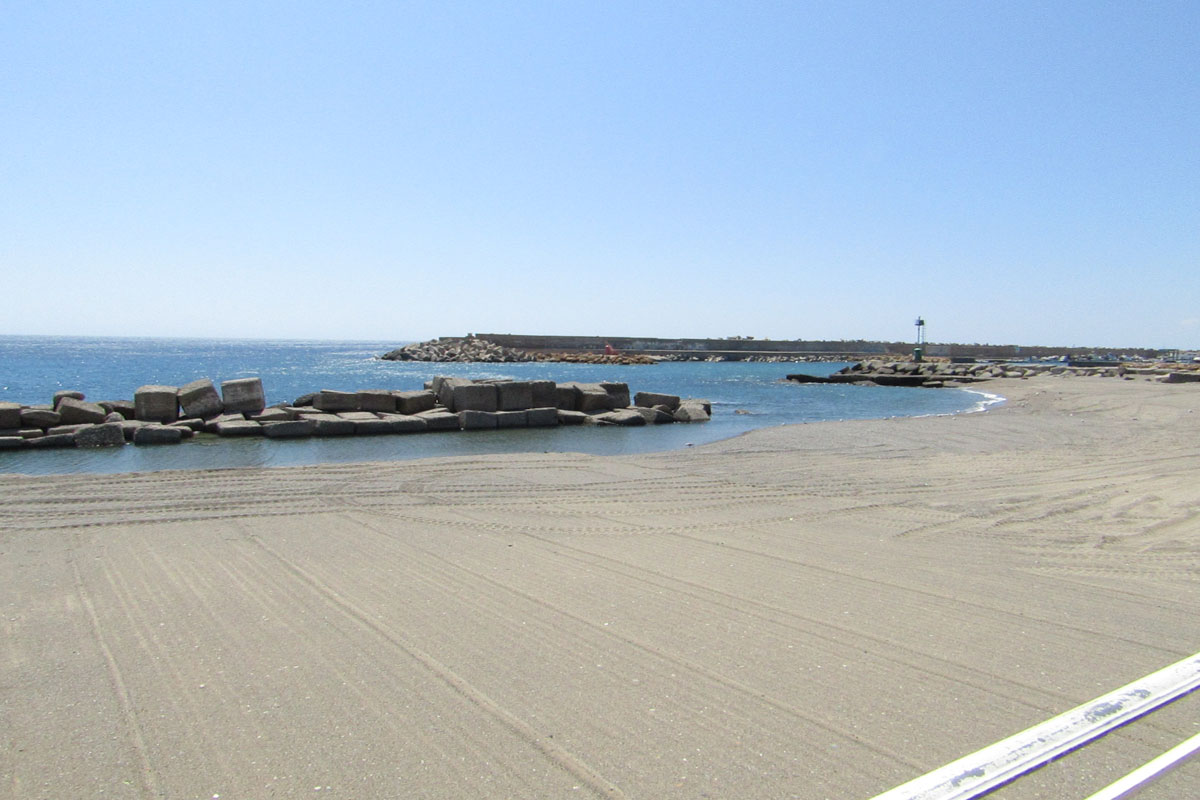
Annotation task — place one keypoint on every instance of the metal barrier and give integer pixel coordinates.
(979, 773)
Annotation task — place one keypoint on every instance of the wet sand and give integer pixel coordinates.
(811, 611)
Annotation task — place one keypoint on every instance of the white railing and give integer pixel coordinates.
(984, 770)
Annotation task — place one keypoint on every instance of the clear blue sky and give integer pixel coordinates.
(1016, 172)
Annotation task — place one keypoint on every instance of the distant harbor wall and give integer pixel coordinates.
(735, 349)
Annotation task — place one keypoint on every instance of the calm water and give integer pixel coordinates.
(744, 397)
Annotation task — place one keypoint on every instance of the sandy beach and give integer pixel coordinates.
(810, 611)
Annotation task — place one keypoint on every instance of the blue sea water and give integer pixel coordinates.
(745, 396)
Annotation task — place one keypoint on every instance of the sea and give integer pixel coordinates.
(744, 396)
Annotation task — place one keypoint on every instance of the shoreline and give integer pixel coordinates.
(820, 609)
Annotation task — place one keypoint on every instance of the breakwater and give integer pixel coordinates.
(935, 374)
(160, 414)
(497, 347)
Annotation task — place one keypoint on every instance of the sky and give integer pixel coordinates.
(1014, 172)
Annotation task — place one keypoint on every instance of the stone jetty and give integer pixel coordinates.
(171, 414)
(934, 374)
(472, 349)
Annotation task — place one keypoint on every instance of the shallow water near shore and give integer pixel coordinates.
(745, 396)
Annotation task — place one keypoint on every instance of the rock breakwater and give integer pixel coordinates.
(168, 414)
(471, 349)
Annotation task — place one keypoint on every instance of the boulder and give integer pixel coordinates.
(546, 417)
(156, 403)
(113, 416)
(514, 396)
(305, 400)
(376, 400)
(158, 434)
(475, 397)
(200, 399)
(243, 395)
(73, 411)
(290, 429)
(652, 399)
(39, 418)
(513, 419)
(10, 415)
(108, 434)
(414, 402)
(334, 401)
(405, 423)
(474, 420)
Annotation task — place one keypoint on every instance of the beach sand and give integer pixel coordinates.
(811, 611)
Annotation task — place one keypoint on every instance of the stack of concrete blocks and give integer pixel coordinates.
(491, 404)
(167, 414)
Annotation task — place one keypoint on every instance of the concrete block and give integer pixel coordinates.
(73, 411)
(156, 403)
(592, 397)
(71, 393)
(358, 416)
(513, 419)
(626, 417)
(376, 400)
(406, 423)
(329, 424)
(108, 434)
(414, 402)
(514, 396)
(474, 397)
(565, 396)
(334, 401)
(652, 399)
(210, 425)
(542, 417)
(305, 400)
(568, 417)
(11, 442)
(73, 428)
(618, 393)
(243, 395)
(200, 399)
(10, 415)
(372, 427)
(125, 408)
(444, 388)
(39, 418)
(654, 416)
(158, 434)
(236, 427)
(689, 411)
(440, 421)
(290, 429)
(473, 420)
(130, 426)
(191, 423)
(184, 431)
(271, 415)
(543, 394)
(57, 440)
